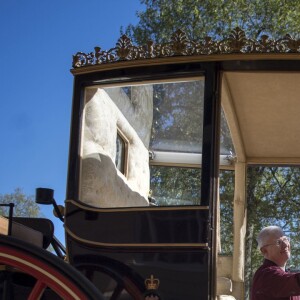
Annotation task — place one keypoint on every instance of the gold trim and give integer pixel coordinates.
(132, 245)
(147, 208)
(180, 46)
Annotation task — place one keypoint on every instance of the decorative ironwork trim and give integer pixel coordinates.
(180, 45)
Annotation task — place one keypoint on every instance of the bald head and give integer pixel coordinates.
(266, 233)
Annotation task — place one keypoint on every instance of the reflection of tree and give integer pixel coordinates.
(226, 145)
(175, 186)
(178, 112)
(181, 186)
(273, 199)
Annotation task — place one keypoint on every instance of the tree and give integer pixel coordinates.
(25, 205)
(215, 18)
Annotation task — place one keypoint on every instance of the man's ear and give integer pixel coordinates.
(263, 250)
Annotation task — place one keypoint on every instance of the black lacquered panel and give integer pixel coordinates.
(182, 273)
(140, 226)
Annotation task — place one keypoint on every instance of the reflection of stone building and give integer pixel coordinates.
(137, 108)
(101, 183)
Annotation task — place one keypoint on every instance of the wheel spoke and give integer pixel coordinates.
(37, 290)
(94, 268)
(118, 290)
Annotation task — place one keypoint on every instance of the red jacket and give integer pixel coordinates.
(270, 282)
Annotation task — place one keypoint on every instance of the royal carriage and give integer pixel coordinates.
(152, 129)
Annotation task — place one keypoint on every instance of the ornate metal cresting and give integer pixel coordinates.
(180, 45)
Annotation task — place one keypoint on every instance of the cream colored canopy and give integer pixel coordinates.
(263, 114)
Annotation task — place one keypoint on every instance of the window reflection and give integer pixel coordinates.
(123, 124)
(177, 116)
(175, 186)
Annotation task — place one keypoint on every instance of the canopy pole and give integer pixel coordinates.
(239, 222)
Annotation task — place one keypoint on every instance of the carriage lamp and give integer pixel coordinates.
(45, 196)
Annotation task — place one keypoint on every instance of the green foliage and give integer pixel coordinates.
(215, 18)
(25, 205)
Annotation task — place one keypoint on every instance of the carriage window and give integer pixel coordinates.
(160, 125)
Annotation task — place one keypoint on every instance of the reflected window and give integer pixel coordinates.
(121, 153)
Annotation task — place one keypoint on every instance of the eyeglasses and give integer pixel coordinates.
(279, 242)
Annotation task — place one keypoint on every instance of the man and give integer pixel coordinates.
(271, 281)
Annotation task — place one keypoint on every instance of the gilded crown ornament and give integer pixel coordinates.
(181, 45)
(152, 283)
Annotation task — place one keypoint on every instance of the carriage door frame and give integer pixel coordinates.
(210, 161)
(210, 146)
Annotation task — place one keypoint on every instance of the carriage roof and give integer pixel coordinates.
(259, 94)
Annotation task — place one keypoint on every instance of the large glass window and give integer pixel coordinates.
(142, 144)
(158, 154)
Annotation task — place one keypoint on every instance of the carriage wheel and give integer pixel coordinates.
(126, 281)
(49, 273)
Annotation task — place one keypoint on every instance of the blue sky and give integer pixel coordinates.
(38, 39)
